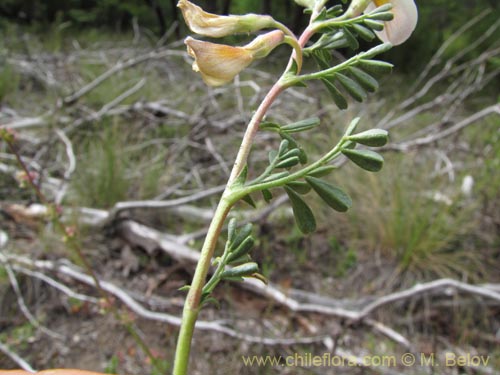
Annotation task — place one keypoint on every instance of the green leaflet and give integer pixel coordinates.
(375, 66)
(338, 98)
(242, 234)
(364, 32)
(322, 171)
(374, 25)
(369, 83)
(372, 137)
(332, 195)
(241, 250)
(267, 195)
(242, 270)
(231, 230)
(303, 215)
(300, 187)
(352, 126)
(352, 87)
(289, 162)
(301, 126)
(248, 199)
(366, 159)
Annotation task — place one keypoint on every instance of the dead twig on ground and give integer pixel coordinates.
(21, 362)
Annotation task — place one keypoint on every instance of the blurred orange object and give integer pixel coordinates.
(51, 372)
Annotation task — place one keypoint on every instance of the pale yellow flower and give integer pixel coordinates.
(218, 64)
(215, 26)
(401, 27)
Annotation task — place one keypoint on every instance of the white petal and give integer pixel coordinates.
(405, 20)
(401, 27)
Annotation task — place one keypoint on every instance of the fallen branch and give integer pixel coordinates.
(70, 99)
(137, 308)
(20, 301)
(16, 358)
(431, 138)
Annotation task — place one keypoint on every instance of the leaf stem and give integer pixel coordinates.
(332, 154)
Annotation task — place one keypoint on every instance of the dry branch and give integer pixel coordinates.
(72, 271)
(16, 358)
(434, 137)
(160, 54)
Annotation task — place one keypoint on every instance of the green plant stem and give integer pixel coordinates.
(214, 280)
(230, 196)
(337, 68)
(193, 299)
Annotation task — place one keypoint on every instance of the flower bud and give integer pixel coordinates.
(215, 26)
(218, 64)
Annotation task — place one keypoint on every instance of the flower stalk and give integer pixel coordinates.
(218, 64)
(229, 198)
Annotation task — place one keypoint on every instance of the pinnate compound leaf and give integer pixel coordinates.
(366, 159)
(303, 214)
(332, 195)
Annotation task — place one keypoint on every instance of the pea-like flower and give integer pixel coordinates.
(218, 64)
(215, 26)
(397, 30)
(401, 27)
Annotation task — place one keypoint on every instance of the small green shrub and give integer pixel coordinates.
(406, 215)
(101, 180)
